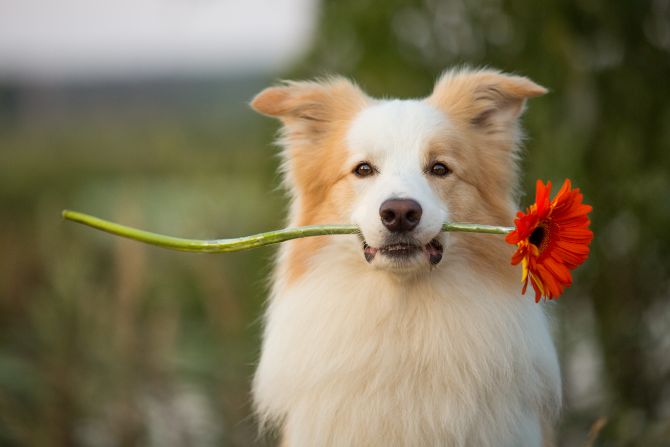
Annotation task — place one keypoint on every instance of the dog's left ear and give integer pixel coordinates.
(487, 100)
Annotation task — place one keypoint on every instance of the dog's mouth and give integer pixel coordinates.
(403, 251)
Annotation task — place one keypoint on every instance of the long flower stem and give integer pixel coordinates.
(245, 242)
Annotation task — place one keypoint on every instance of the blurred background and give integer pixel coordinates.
(136, 111)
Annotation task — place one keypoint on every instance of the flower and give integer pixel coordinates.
(552, 238)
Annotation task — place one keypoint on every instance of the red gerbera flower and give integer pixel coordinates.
(553, 238)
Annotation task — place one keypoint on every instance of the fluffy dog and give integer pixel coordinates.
(404, 336)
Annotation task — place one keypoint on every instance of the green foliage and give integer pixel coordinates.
(110, 342)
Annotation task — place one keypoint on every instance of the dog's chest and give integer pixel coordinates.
(395, 363)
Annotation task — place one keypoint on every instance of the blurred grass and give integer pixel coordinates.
(110, 342)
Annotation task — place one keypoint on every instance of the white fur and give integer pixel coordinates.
(394, 135)
(358, 356)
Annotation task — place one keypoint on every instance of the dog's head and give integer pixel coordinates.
(401, 168)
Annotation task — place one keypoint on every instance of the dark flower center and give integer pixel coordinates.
(537, 236)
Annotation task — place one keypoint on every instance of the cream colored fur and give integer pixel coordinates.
(450, 355)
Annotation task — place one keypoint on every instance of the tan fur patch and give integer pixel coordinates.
(484, 107)
(316, 116)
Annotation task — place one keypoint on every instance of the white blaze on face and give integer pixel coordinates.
(394, 137)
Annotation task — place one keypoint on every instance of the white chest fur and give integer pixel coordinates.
(358, 358)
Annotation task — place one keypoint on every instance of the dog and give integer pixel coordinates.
(404, 335)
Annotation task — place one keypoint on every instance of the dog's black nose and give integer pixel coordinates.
(400, 215)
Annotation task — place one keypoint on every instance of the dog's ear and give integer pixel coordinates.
(307, 108)
(487, 100)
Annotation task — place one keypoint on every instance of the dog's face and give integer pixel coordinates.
(401, 166)
(399, 169)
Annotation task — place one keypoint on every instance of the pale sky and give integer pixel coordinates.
(84, 39)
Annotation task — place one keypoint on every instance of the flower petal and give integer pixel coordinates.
(564, 242)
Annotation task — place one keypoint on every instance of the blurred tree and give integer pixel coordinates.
(606, 124)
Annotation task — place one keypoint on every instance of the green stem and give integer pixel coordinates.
(245, 242)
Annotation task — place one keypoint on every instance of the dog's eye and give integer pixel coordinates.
(364, 170)
(439, 170)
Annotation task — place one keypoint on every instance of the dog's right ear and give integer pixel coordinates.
(307, 108)
(486, 100)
